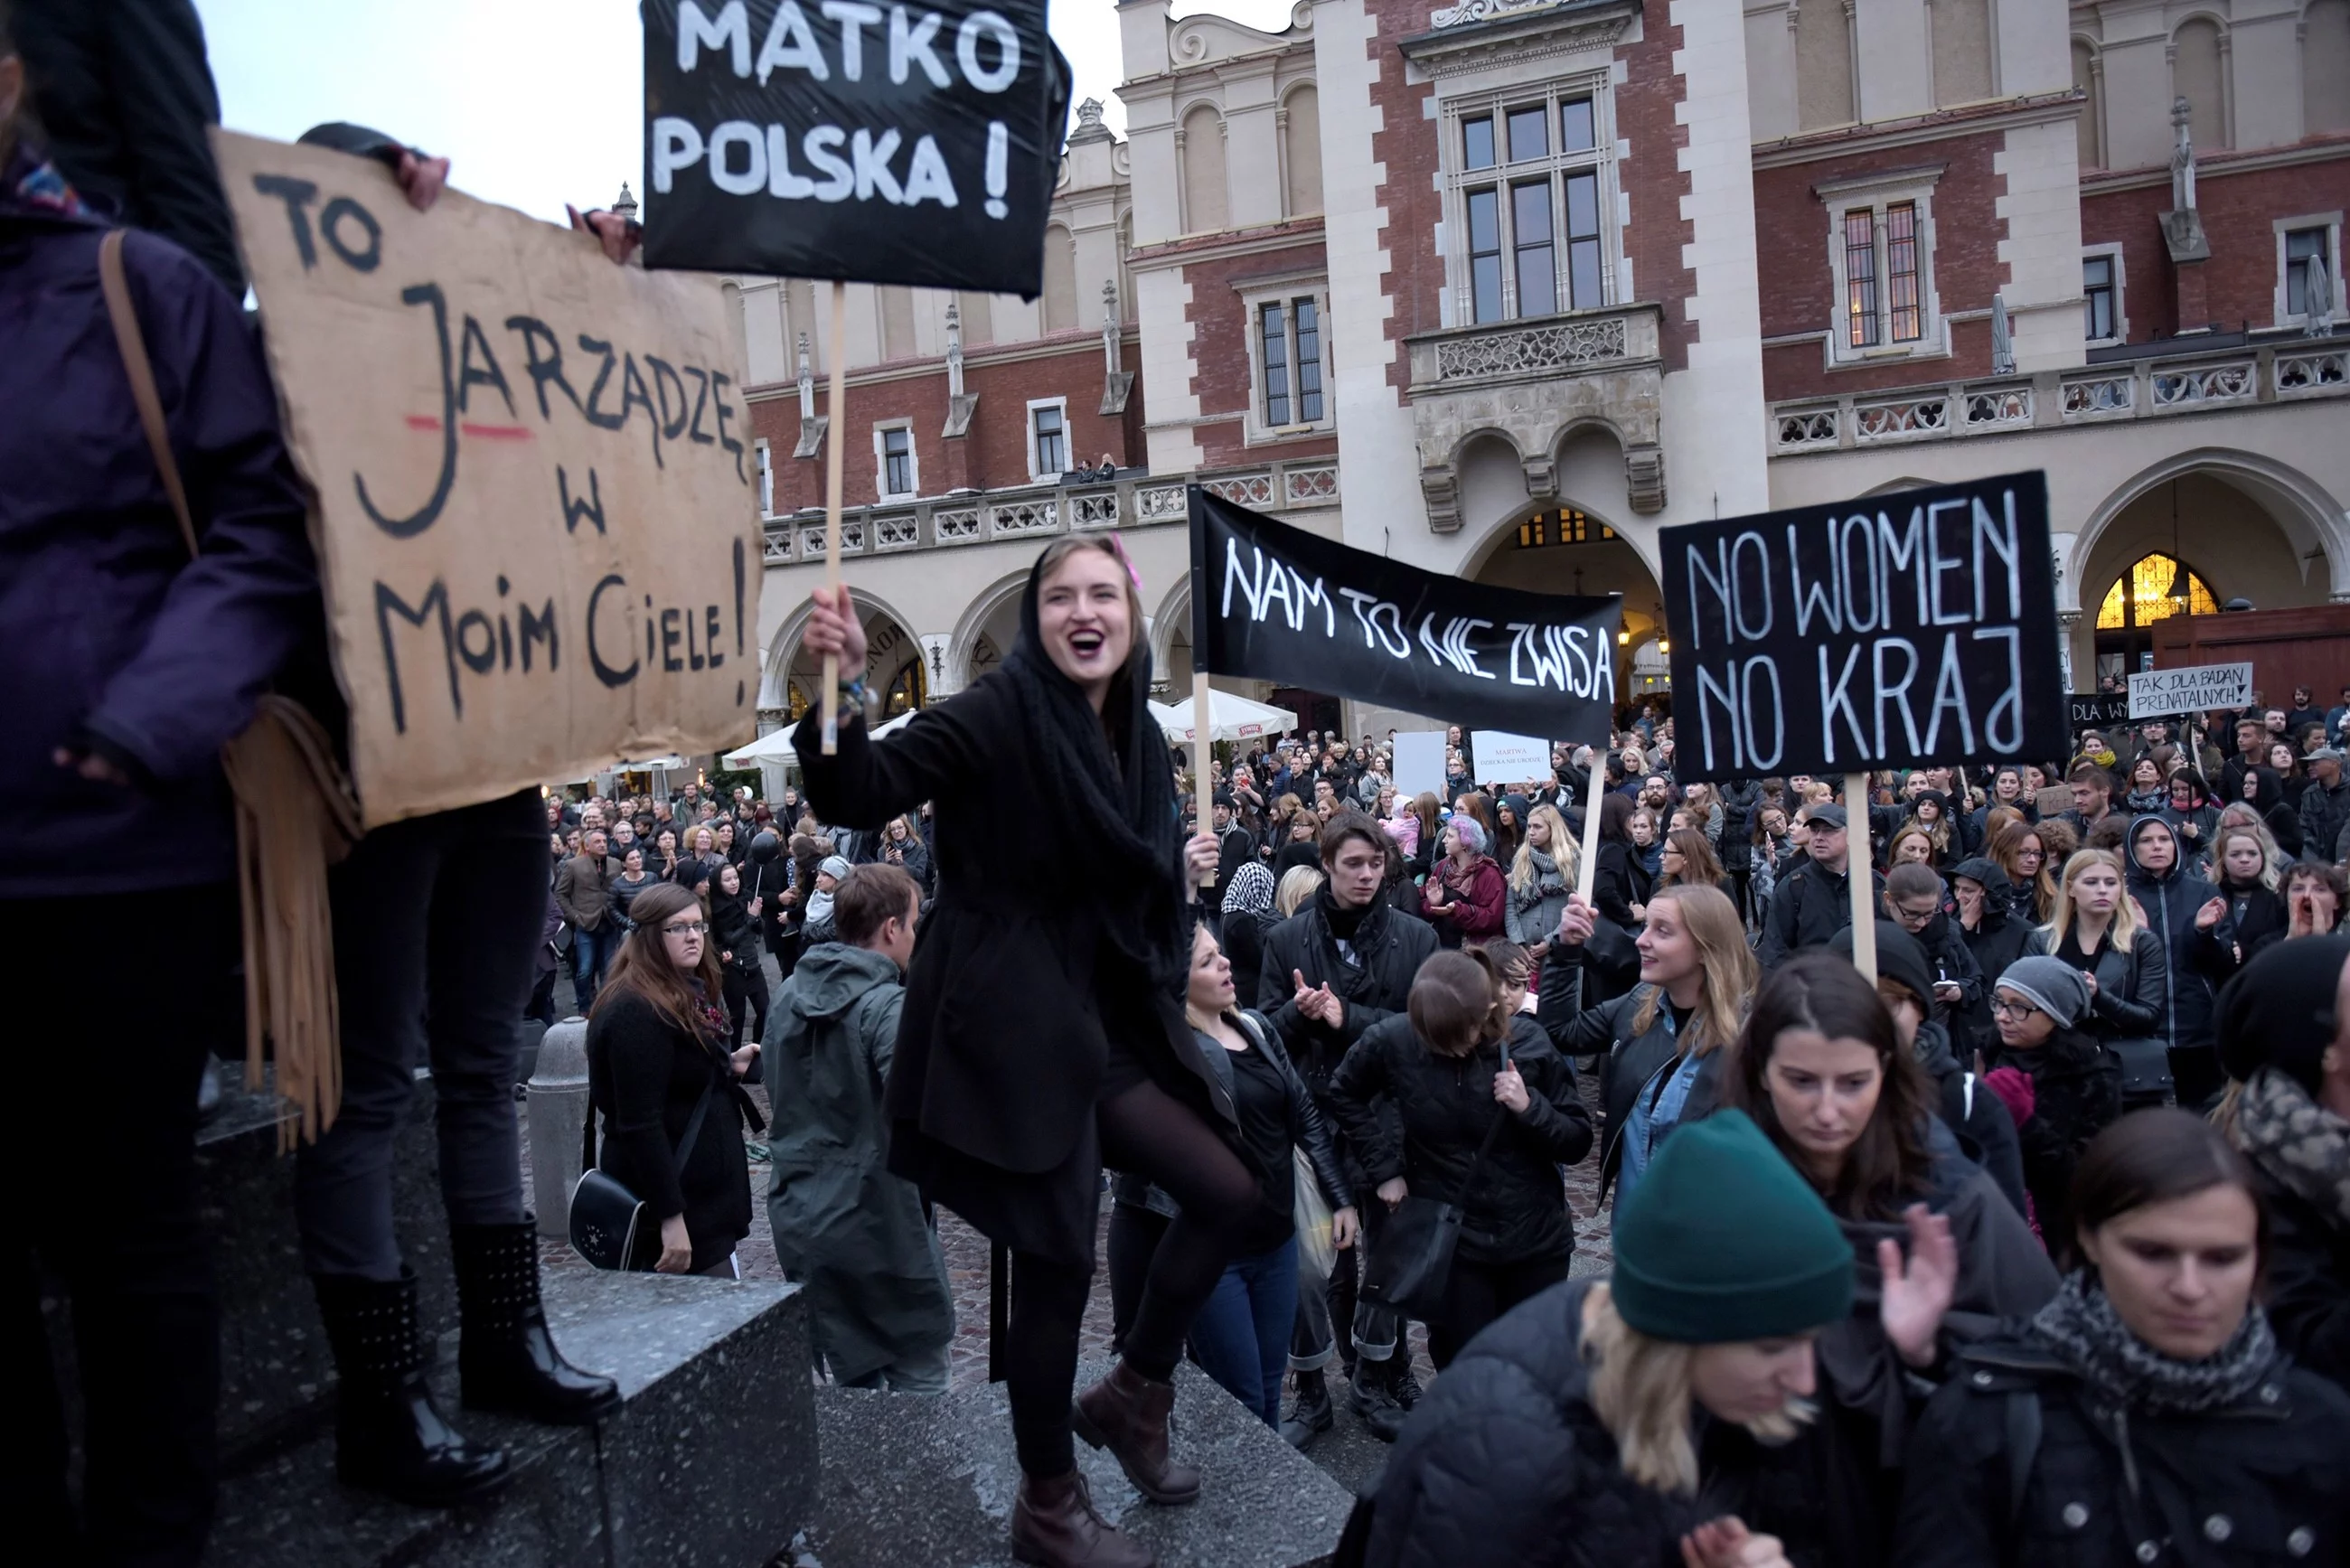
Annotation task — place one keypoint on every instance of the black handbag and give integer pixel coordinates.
(1411, 1263)
(608, 1227)
(2145, 1071)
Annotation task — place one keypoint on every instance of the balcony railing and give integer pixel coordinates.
(2155, 388)
(1545, 347)
(1034, 512)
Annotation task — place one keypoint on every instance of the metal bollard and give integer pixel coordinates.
(557, 1096)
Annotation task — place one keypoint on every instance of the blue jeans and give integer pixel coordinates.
(1240, 1338)
(591, 955)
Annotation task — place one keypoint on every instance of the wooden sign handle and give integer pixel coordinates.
(1201, 793)
(1858, 875)
(1589, 869)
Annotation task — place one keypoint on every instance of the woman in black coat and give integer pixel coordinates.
(1622, 879)
(2148, 1413)
(657, 1065)
(1461, 1077)
(2060, 1084)
(734, 933)
(1042, 1032)
(2093, 928)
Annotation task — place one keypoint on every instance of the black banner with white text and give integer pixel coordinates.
(1275, 603)
(834, 138)
(1888, 631)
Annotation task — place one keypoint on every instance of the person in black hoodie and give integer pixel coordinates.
(1487, 1115)
(2249, 882)
(1913, 899)
(2192, 917)
(1979, 1119)
(1621, 879)
(734, 933)
(2061, 1087)
(1985, 921)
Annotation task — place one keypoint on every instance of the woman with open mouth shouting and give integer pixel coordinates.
(1043, 1033)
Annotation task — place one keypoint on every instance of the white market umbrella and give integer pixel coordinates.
(1230, 718)
(776, 747)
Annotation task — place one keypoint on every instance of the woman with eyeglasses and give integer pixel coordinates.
(2061, 1087)
(657, 1047)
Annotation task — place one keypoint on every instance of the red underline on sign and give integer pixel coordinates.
(487, 432)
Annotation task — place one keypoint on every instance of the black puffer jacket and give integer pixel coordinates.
(1516, 1212)
(2256, 1482)
(1630, 1057)
(2200, 961)
(2076, 1089)
(1505, 1461)
(1985, 1131)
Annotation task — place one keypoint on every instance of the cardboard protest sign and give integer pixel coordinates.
(915, 144)
(2160, 693)
(536, 514)
(1276, 603)
(1890, 631)
(1419, 763)
(1504, 758)
(2095, 710)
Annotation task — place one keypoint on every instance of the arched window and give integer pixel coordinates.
(2090, 82)
(1301, 152)
(1823, 66)
(1206, 205)
(1060, 280)
(906, 692)
(2158, 587)
(2325, 67)
(796, 700)
(2197, 75)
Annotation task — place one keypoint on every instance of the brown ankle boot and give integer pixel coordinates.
(1053, 1526)
(1126, 1414)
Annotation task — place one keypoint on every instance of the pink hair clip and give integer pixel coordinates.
(1126, 560)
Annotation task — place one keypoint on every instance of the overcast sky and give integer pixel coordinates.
(539, 102)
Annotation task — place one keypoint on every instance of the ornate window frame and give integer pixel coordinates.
(882, 430)
(1286, 292)
(1594, 83)
(1874, 192)
(2332, 224)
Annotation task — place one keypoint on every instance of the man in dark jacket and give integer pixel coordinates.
(880, 1312)
(1339, 965)
(583, 887)
(1813, 902)
(1234, 848)
(2198, 937)
(2324, 806)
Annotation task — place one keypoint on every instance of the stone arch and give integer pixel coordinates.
(1206, 185)
(776, 678)
(1509, 555)
(2201, 57)
(1170, 626)
(972, 625)
(2302, 510)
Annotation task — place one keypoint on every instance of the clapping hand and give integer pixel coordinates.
(1319, 1002)
(1726, 1542)
(1912, 1300)
(2210, 914)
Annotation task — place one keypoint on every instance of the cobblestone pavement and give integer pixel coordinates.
(1348, 1452)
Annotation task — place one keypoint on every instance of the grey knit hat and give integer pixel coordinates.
(2051, 985)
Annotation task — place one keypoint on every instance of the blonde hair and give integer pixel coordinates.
(2060, 908)
(1298, 884)
(1642, 1390)
(2261, 841)
(1726, 963)
(1563, 851)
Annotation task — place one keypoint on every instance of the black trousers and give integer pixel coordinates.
(103, 1160)
(436, 918)
(746, 996)
(1477, 1293)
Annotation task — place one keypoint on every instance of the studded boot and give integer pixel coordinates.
(389, 1436)
(507, 1358)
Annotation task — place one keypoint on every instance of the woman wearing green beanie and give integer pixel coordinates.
(1603, 1422)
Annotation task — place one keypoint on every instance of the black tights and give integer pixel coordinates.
(1147, 1132)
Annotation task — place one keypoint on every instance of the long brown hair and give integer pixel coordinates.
(645, 970)
(1887, 1169)
(1729, 967)
(1700, 867)
(2007, 844)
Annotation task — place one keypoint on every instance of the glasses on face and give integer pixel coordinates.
(2001, 1007)
(1913, 918)
(685, 929)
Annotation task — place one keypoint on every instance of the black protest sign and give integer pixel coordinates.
(901, 143)
(1896, 630)
(2095, 710)
(1275, 603)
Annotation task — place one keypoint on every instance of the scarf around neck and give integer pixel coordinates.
(2080, 1327)
(2296, 1142)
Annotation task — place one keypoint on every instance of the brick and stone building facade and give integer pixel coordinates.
(1500, 287)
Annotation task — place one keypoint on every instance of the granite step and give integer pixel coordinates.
(909, 1481)
(710, 1460)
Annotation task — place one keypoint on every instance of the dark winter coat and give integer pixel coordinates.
(1619, 881)
(1809, 906)
(1949, 958)
(1996, 941)
(1739, 802)
(2256, 1483)
(2308, 1295)
(110, 637)
(1516, 1212)
(2131, 984)
(733, 930)
(2260, 916)
(2076, 1088)
(1629, 1059)
(2324, 815)
(1980, 1118)
(644, 1074)
(1388, 947)
(2199, 962)
(1505, 1461)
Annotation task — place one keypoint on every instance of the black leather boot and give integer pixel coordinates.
(390, 1437)
(1312, 1415)
(504, 1353)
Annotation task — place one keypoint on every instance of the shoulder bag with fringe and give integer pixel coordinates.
(296, 813)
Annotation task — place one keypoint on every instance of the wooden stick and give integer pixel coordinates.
(1858, 875)
(1201, 793)
(1589, 869)
(836, 421)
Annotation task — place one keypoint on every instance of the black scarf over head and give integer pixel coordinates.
(1107, 782)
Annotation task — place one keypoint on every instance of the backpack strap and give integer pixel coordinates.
(133, 343)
